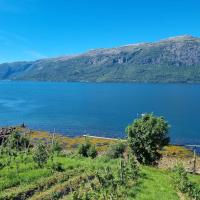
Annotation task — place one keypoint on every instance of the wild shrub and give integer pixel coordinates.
(87, 150)
(133, 166)
(92, 152)
(16, 141)
(14, 144)
(54, 150)
(41, 154)
(57, 166)
(183, 184)
(83, 149)
(128, 170)
(56, 147)
(2, 164)
(110, 183)
(116, 150)
(14, 148)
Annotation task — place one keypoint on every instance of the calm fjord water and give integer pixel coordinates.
(100, 109)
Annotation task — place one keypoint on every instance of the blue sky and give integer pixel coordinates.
(34, 29)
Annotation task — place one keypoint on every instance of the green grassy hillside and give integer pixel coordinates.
(26, 181)
(40, 166)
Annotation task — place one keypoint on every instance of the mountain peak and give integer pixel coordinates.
(176, 59)
(180, 37)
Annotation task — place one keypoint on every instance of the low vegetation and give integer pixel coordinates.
(116, 150)
(87, 150)
(184, 184)
(44, 170)
(147, 135)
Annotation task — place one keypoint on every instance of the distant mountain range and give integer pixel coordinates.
(174, 59)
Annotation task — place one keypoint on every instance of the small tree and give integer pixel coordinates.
(83, 149)
(55, 149)
(117, 150)
(87, 150)
(41, 154)
(15, 144)
(133, 165)
(17, 141)
(146, 136)
(92, 152)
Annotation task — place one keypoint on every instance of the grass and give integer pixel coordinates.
(196, 179)
(176, 151)
(156, 184)
(102, 144)
(44, 183)
(24, 180)
(69, 143)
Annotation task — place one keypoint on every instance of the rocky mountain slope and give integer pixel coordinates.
(175, 59)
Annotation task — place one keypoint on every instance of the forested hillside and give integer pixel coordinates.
(172, 60)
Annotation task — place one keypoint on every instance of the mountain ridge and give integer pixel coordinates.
(175, 59)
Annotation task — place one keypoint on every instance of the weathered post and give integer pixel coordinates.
(194, 157)
(195, 160)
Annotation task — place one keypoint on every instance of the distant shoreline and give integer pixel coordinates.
(105, 82)
(93, 136)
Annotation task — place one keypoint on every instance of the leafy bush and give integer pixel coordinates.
(108, 184)
(116, 150)
(146, 136)
(56, 147)
(92, 152)
(83, 149)
(183, 184)
(133, 165)
(16, 141)
(87, 150)
(41, 154)
(57, 166)
(181, 179)
(2, 164)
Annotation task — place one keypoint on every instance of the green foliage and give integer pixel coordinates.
(62, 188)
(158, 62)
(146, 136)
(41, 154)
(45, 183)
(133, 166)
(14, 146)
(181, 179)
(87, 150)
(16, 141)
(108, 183)
(56, 147)
(81, 178)
(83, 149)
(183, 184)
(92, 152)
(128, 170)
(116, 150)
(57, 166)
